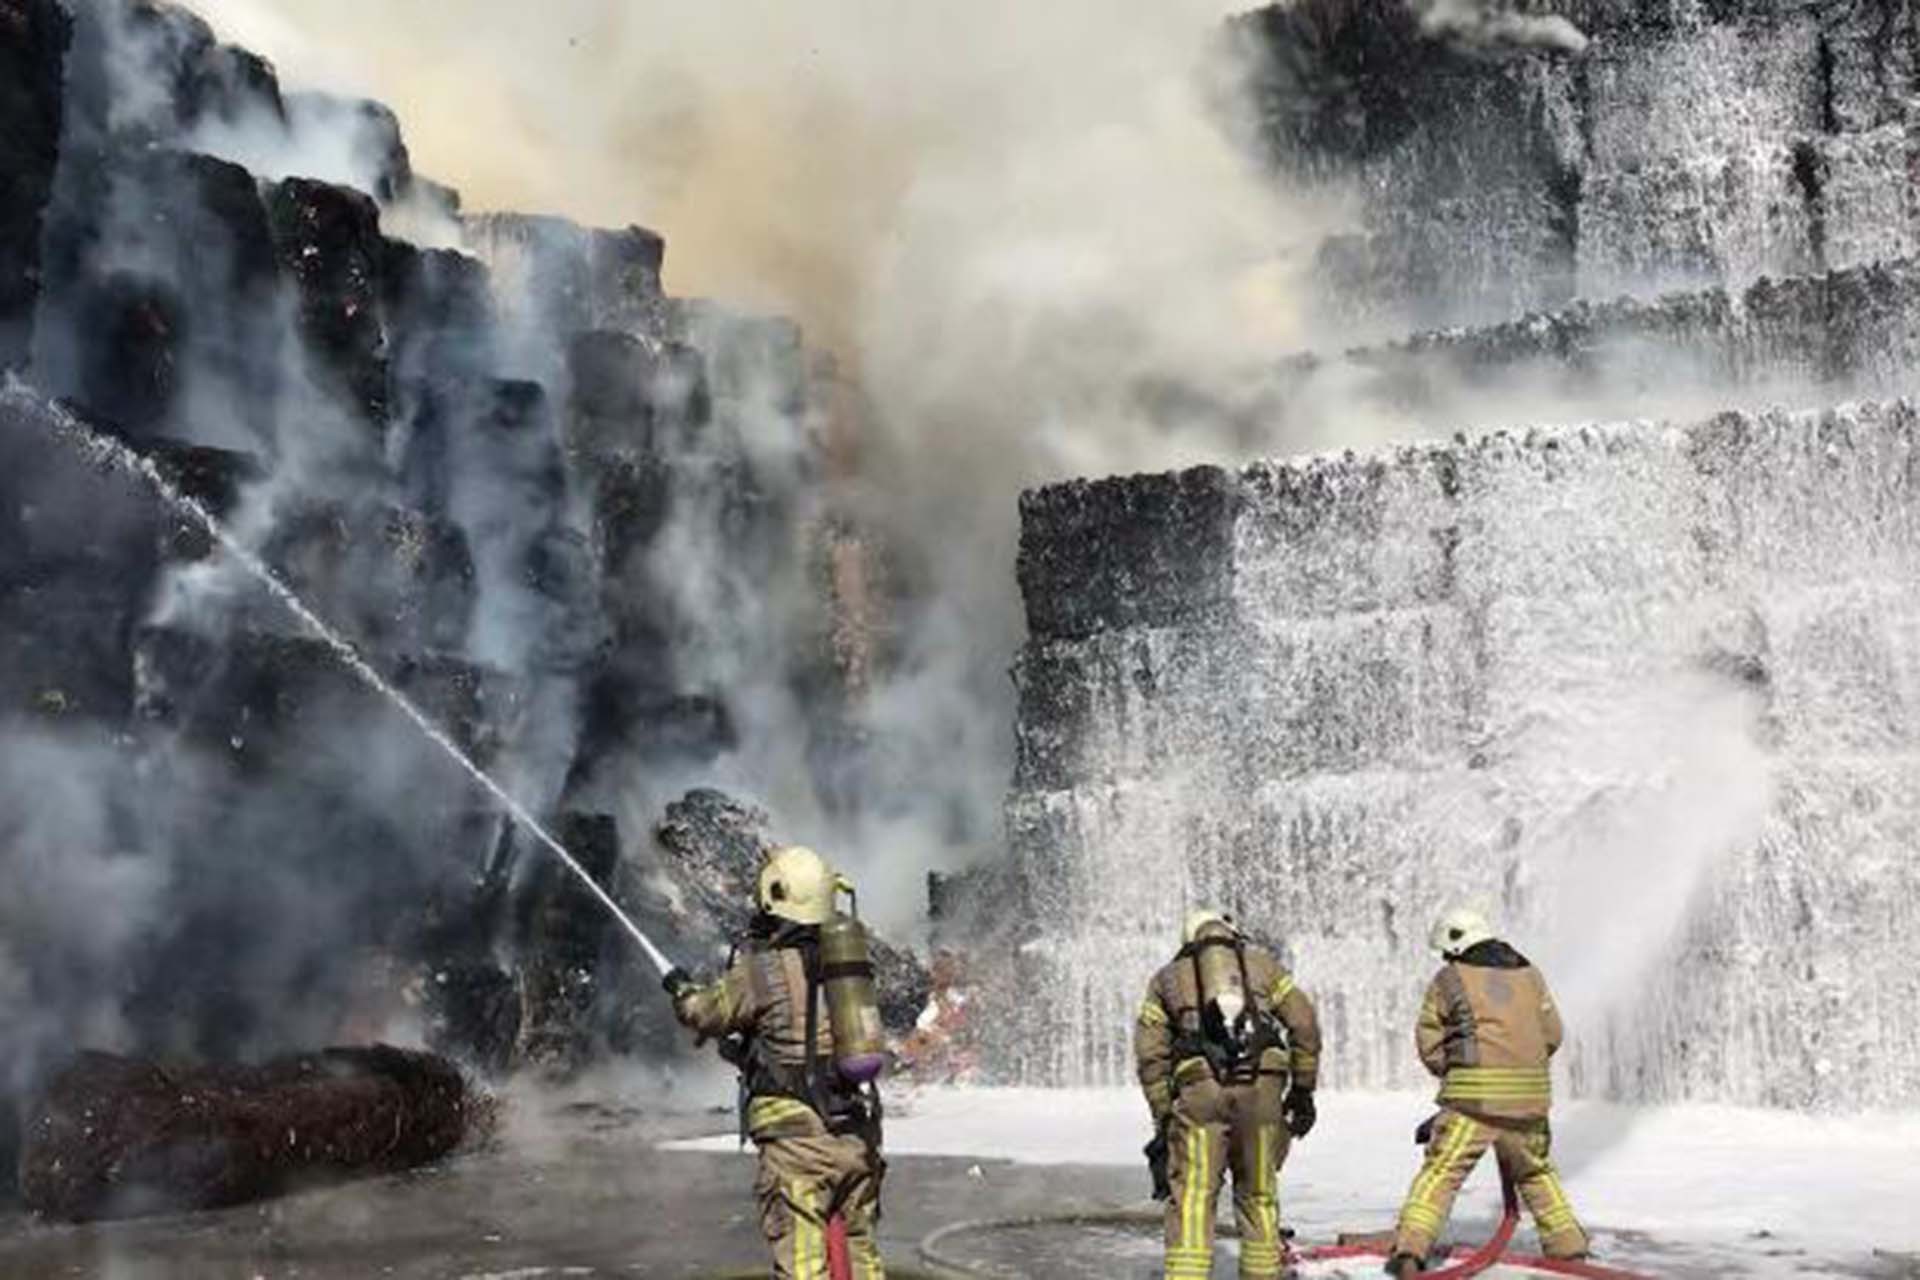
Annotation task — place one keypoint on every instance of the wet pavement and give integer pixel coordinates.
(572, 1191)
(567, 1192)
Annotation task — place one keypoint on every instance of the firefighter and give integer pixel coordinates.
(815, 1122)
(1487, 1029)
(1222, 1031)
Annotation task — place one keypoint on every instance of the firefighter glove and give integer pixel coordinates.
(1156, 1153)
(1300, 1111)
(678, 983)
(1424, 1133)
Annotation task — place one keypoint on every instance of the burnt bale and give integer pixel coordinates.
(611, 409)
(114, 1137)
(33, 47)
(289, 709)
(440, 329)
(199, 79)
(161, 308)
(328, 240)
(565, 931)
(129, 372)
(573, 278)
(82, 550)
(712, 846)
(394, 579)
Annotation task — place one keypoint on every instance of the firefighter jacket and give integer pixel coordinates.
(1170, 1042)
(767, 1004)
(1487, 1029)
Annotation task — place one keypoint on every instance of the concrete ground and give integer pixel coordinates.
(573, 1191)
(580, 1189)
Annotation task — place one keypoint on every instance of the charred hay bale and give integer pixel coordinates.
(713, 845)
(114, 1137)
(328, 240)
(33, 49)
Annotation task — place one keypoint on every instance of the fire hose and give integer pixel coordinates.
(1492, 1252)
(934, 1251)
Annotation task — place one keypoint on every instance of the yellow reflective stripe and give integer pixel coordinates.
(803, 1245)
(1188, 1264)
(1199, 1178)
(1492, 1083)
(1263, 1252)
(1557, 1214)
(1151, 1014)
(1196, 1155)
(1188, 1269)
(1283, 986)
(1460, 1134)
(1190, 1069)
(764, 1112)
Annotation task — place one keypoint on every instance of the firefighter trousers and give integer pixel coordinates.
(1216, 1129)
(1523, 1148)
(804, 1180)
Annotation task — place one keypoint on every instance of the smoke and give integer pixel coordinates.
(77, 897)
(231, 827)
(1018, 229)
(1027, 235)
(1495, 24)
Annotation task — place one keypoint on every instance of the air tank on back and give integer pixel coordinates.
(853, 1011)
(1219, 979)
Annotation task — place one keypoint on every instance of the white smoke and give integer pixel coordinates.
(1496, 24)
(1012, 225)
(77, 897)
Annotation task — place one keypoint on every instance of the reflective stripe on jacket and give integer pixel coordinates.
(1488, 1028)
(763, 996)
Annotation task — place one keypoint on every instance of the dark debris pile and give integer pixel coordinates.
(114, 1137)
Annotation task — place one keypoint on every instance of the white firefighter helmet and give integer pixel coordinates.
(1200, 919)
(797, 884)
(1458, 929)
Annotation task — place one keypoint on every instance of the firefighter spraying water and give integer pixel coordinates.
(1488, 1029)
(807, 1093)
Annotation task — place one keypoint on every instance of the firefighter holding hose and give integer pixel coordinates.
(1488, 1029)
(795, 1011)
(1228, 1052)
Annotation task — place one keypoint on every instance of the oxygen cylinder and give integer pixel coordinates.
(1221, 987)
(853, 1013)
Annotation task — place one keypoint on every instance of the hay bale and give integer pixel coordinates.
(114, 1137)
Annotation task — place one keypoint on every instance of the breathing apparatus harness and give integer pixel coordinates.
(1231, 1045)
(847, 1107)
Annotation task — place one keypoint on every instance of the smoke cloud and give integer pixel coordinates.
(1015, 227)
(1492, 24)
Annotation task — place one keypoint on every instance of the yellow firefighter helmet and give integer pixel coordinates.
(797, 884)
(1458, 929)
(1200, 919)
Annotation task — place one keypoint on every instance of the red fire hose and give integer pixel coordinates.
(839, 1258)
(1472, 1264)
(1494, 1250)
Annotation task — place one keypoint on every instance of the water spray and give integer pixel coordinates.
(16, 395)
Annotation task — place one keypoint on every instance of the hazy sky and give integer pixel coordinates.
(772, 141)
